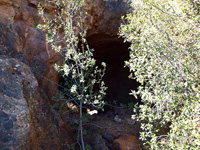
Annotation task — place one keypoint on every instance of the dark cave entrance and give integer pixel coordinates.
(114, 52)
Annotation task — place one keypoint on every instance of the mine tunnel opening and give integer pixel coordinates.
(114, 52)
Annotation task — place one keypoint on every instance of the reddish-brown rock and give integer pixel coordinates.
(126, 142)
(20, 39)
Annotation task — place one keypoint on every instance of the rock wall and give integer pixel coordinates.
(104, 16)
(27, 121)
(25, 114)
(20, 39)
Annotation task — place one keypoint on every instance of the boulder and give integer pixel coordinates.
(26, 120)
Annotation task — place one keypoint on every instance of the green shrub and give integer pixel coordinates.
(66, 34)
(165, 59)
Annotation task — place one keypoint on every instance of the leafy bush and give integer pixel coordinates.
(66, 34)
(165, 59)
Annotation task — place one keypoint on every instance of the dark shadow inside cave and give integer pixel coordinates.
(114, 52)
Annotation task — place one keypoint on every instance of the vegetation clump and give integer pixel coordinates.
(165, 59)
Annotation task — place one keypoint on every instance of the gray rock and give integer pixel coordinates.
(104, 16)
(108, 137)
(26, 119)
(14, 111)
(128, 120)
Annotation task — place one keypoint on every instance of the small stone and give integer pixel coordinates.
(117, 118)
(130, 121)
(126, 142)
(108, 137)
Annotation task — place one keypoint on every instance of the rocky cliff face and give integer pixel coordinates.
(26, 121)
(25, 114)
